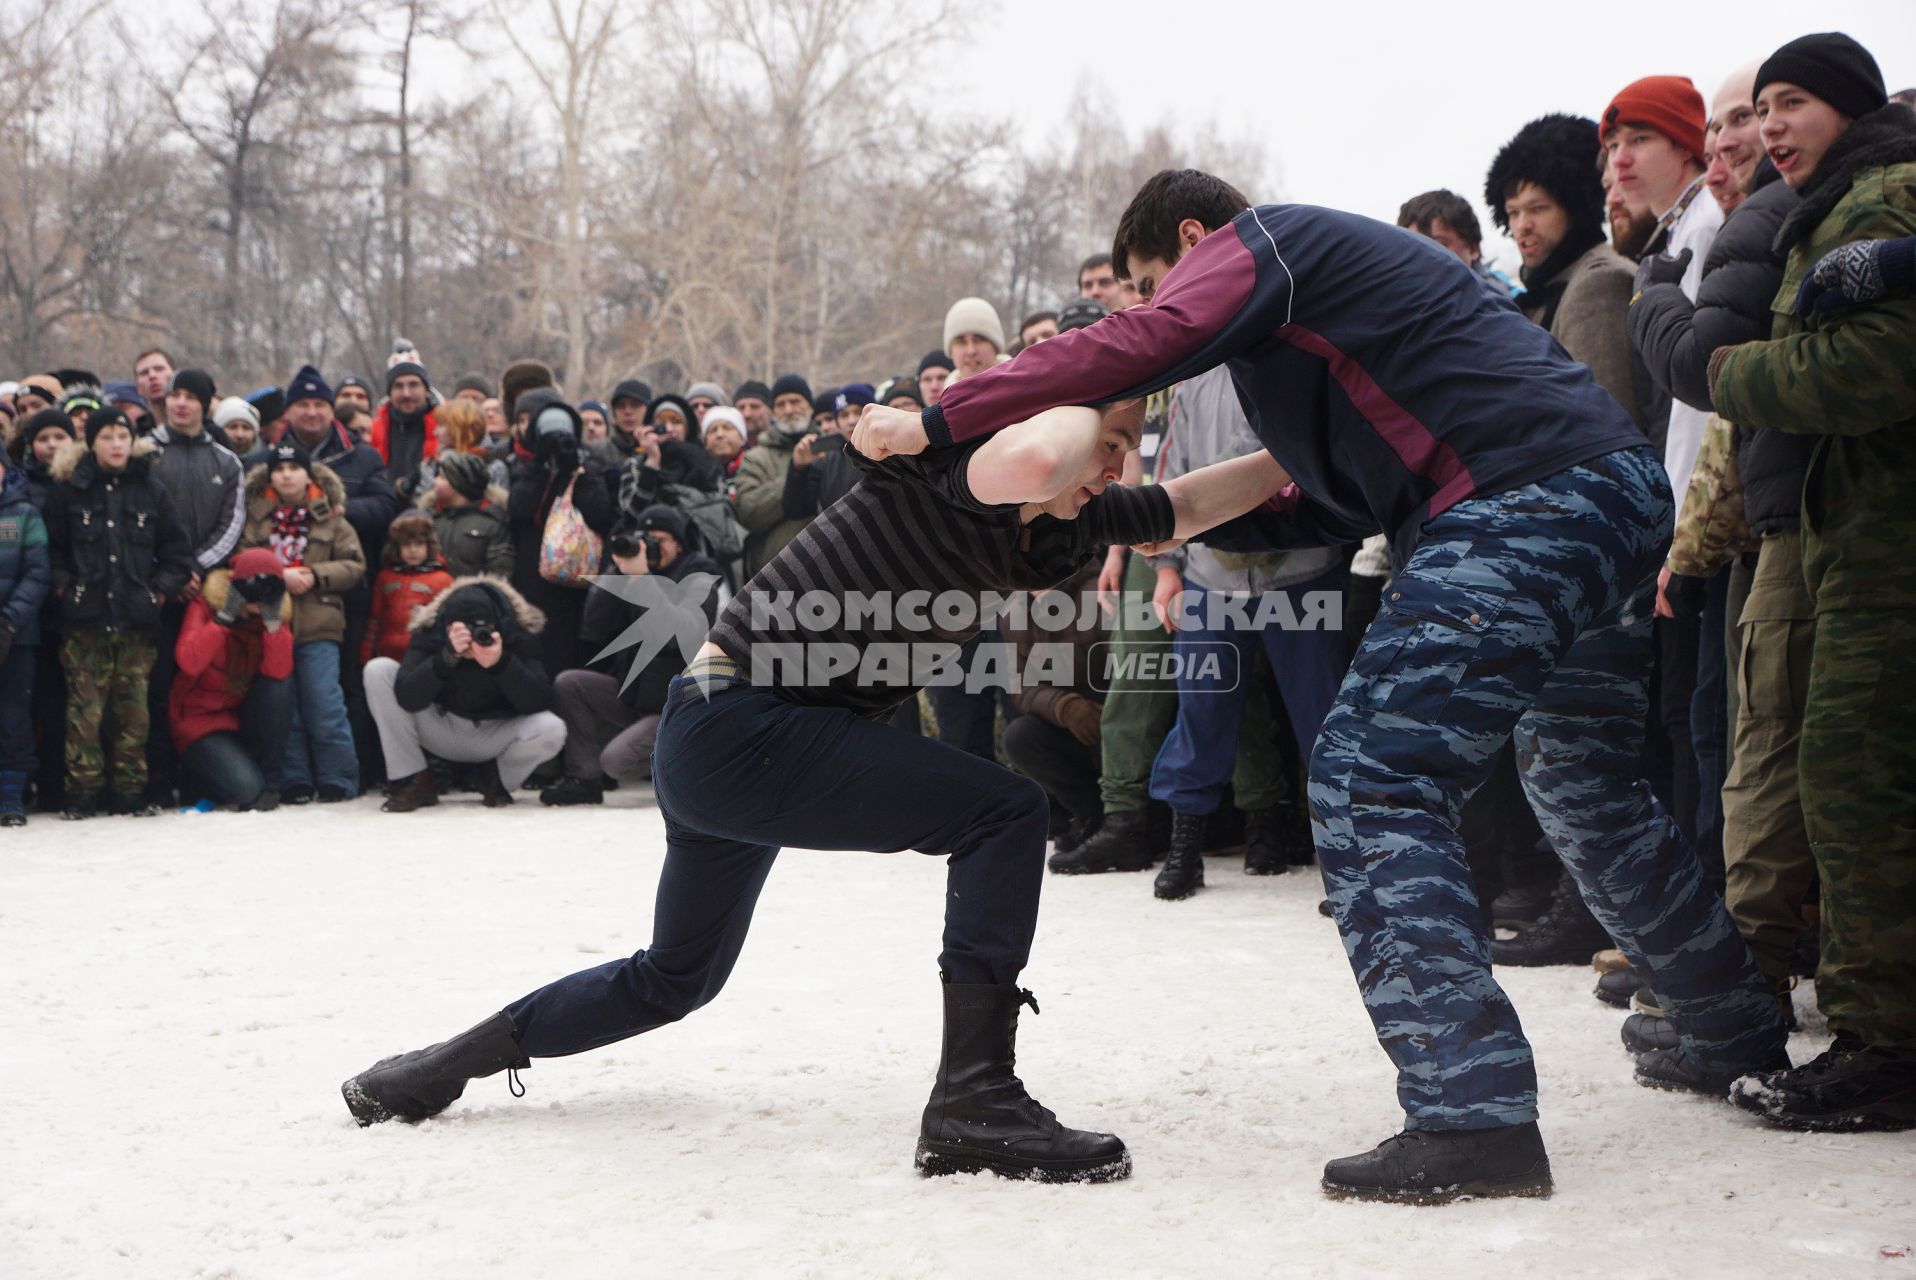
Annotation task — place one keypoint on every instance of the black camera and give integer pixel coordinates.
(483, 634)
(262, 589)
(627, 545)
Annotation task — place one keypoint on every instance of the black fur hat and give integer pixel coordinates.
(1560, 153)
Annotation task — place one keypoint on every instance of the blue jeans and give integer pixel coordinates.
(236, 767)
(742, 772)
(1523, 614)
(319, 738)
(1200, 753)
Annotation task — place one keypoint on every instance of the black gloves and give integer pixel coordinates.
(1658, 269)
(264, 590)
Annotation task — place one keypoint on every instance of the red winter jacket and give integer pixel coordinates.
(217, 664)
(396, 593)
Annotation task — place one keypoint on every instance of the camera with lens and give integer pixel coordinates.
(262, 589)
(627, 545)
(483, 634)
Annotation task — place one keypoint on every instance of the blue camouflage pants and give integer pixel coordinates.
(1523, 614)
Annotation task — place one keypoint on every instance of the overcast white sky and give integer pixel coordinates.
(1362, 103)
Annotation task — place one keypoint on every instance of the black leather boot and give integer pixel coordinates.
(980, 1117)
(1268, 845)
(1183, 873)
(1122, 842)
(1565, 934)
(413, 1086)
(1438, 1166)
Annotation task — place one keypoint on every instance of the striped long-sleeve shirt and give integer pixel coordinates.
(878, 593)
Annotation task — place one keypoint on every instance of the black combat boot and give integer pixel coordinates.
(413, 1086)
(1676, 1070)
(1267, 850)
(1438, 1166)
(1618, 986)
(1121, 843)
(1183, 873)
(1847, 1089)
(980, 1116)
(1644, 1032)
(1565, 934)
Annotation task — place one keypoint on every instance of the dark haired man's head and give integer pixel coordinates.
(1447, 218)
(1171, 212)
(1097, 279)
(1037, 327)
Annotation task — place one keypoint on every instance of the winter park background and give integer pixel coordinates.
(180, 997)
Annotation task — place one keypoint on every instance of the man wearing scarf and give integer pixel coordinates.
(404, 431)
(1545, 190)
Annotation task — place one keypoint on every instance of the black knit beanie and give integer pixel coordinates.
(1833, 67)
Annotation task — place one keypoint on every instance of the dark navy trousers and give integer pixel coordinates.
(1523, 614)
(740, 772)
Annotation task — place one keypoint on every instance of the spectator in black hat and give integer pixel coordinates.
(611, 711)
(296, 508)
(354, 390)
(753, 400)
(552, 438)
(404, 429)
(472, 689)
(821, 472)
(903, 394)
(206, 482)
(1080, 313)
(473, 387)
(469, 517)
(631, 401)
(118, 553)
(760, 486)
(934, 371)
(670, 460)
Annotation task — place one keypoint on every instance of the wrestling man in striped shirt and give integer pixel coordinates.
(759, 748)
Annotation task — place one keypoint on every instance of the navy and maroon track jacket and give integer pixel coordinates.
(1374, 365)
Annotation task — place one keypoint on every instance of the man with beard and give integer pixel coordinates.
(760, 487)
(404, 431)
(1545, 191)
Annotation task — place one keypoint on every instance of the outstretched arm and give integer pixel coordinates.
(1222, 491)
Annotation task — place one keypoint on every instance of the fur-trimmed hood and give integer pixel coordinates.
(219, 584)
(511, 604)
(332, 502)
(65, 467)
(1884, 137)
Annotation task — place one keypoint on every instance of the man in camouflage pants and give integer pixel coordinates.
(107, 671)
(1838, 370)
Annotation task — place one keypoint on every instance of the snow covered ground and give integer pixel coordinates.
(180, 998)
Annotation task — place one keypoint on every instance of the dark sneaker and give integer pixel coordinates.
(1676, 1070)
(299, 793)
(418, 1085)
(80, 807)
(1643, 1032)
(1565, 934)
(1270, 838)
(492, 791)
(1436, 1167)
(1847, 1089)
(1616, 988)
(334, 795)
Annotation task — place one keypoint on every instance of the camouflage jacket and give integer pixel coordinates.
(1711, 529)
(1844, 376)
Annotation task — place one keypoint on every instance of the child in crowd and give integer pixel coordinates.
(412, 574)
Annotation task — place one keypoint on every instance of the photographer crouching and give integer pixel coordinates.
(471, 690)
(611, 713)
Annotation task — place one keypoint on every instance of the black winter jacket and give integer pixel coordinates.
(119, 549)
(608, 614)
(433, 676)
(1675, 337)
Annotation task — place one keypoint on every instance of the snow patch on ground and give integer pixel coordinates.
(180, 998)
